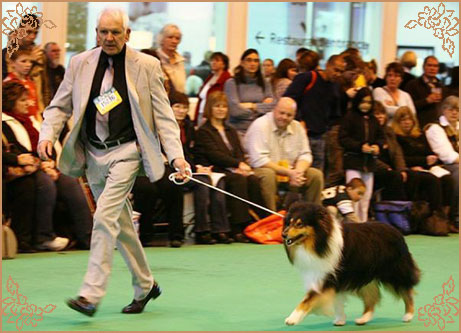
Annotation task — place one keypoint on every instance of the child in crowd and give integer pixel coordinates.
(362, 138)
(340, 199)
(21, 62)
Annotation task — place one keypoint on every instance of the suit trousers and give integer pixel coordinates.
(111, 174)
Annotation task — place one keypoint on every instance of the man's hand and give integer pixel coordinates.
(180, 164)
(375, 149)
(433, 98)
(45, 149)
(297, 178)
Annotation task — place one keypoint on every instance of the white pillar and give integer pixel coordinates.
(388, 33)
(237, 20)
(56, 12)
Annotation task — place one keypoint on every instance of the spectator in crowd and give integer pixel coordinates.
(299, 53)
(21, 65)
(50, 184)
(443, 138)
(37, 73)
(209, 227)
(193, 83)
(408, 61)
(172, 62)
(249, 95)
(218, 145)
(340, 199)
(283, 76)
(420, 158)
(203, 70)
(371, 74)
(277, 145)
(426, 92)
(453, 88)
(317, 96)
(268, 69)
(361, 137)
(308, 61)
(54, 70)
(214, 82)
(390, 95)
(166, 79)
(400, 183)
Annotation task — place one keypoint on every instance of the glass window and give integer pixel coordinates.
(422, 40)
(202, 25)
(277, 30)
(12, 6)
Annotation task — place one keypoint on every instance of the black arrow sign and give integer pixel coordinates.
(258, 37)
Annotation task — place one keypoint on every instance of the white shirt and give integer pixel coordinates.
(439, 142)
(383, 96)
(265, 143)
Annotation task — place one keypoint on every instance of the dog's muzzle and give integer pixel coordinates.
(291, 241)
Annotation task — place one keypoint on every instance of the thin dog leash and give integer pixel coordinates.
(172, 177)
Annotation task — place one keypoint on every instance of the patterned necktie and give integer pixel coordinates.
(102, 121)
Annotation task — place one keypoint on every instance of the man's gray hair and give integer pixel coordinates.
(117, 13)
(165, 31)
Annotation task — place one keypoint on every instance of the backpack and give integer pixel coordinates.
(311, 84)
(395, 213)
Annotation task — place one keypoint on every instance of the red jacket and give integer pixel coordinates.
(218, 86)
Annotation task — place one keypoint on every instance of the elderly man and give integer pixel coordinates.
(426, 92)
(277, 145)
(120, 109)
(54, 70)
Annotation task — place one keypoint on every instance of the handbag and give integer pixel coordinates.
(9, 243)
(395, 213)
(266, 231)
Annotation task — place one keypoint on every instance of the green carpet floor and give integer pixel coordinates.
(238, 287)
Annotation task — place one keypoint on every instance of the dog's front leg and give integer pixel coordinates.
(303, 308)
(340, 316)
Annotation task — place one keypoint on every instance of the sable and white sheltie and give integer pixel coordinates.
(336, 259)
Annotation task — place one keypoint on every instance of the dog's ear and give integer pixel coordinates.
(290, 199)
(323, 230)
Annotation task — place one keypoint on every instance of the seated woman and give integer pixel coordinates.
(400, 183)
(443, 139)
(211, 222)
(51, 185)
(284, 74)
(248, 94)
(417, 153)
(390, 95)
(217, 144)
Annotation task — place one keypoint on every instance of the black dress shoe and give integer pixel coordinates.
(176, 243)
(222, 238)
(204, 238)
(82, 305)
(241, 238)
(138, 306)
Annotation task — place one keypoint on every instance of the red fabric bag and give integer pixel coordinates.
(267, 230)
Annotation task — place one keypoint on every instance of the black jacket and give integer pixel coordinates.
(415, 150)
(357, 129)
(210, 148)
(426, 112)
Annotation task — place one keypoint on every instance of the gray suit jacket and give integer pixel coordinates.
(150, 110)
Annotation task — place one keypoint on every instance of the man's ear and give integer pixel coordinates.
(127, 36)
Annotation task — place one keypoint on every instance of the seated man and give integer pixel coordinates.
(277, 145)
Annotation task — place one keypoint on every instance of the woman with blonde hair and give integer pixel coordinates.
(217, 144)
(420, 158)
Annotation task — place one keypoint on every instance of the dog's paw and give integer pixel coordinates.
(339, 322)
(295, 318)
(366, 317)
(407, 317)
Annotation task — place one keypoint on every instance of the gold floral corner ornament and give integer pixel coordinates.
(19, 311)
(14, 26)
(442, 22)
(444, 308)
